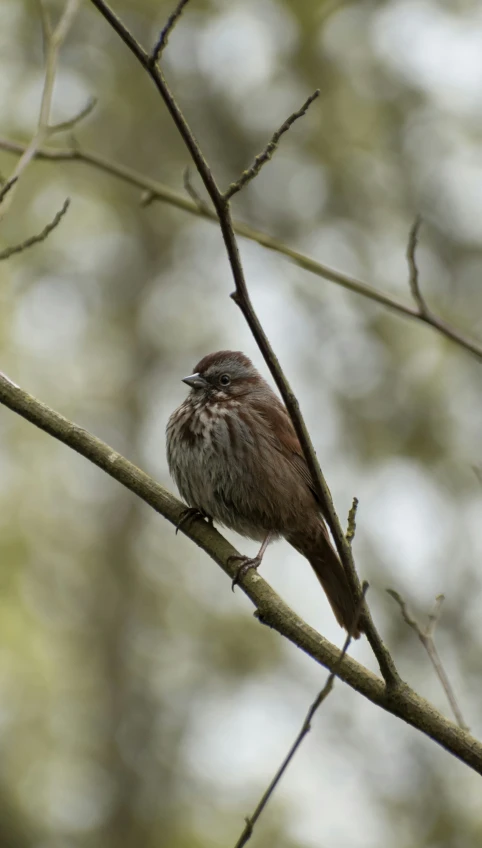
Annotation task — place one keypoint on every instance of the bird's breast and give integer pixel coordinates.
(212, 457)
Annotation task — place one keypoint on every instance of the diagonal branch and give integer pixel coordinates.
(70, 123)
(171, 22)
(24, 245)
(305, 729)
(423, 312)
(156, 191)
(7, 186)
(242, 299)
(53, 40)
(426, 637)
(402, 702)
(195, 197)
(270, 148)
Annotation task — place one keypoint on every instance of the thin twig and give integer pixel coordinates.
(427, 639)
(155, 191)
(65, 22)
(195, 197)
(305, 729)
(351, 528)
(477, 469)
(7, 185)
(270, 148)
(24, 245)
(166, 31)
(242, 299)
(53, 40)
(46, 25)
(434, 616)
(413, 268)
(64, 126)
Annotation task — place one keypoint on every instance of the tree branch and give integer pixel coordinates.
(53, 40)
(29, 242)
(7, 186)
(427, 639)
(270, 148)
(161, 42)
(156, 191)
(402, 702)
(413, 268)
(70, 123)
(305, 729)
(242, 299)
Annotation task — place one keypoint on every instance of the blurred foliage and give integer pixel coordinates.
(140, 701)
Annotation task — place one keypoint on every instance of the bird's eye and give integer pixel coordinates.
(225, 380)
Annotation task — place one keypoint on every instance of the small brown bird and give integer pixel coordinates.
(235, 457)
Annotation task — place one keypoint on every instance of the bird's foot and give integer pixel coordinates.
(244, 566)
(189, 514)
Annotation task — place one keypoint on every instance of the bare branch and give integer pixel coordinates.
(65, 22)
(166, 31)
(155, 191)
(413, 268)
(402, 702)
(270, 148)
(45, 23)
(305, 729)
(7, 185)
(201, 205)
(64, 126)
(242, 299)
(52, 43)
(427, 639)
(24, 245)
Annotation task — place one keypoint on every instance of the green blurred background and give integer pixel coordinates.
(141, 704)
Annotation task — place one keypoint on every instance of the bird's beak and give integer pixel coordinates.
(195, 381)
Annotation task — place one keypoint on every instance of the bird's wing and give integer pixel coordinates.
(283, 438)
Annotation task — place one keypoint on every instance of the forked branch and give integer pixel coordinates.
(426, 636)
(53, 40)
(250, 821)
(161, 42)
(402, 702)
(242, 299)
(154, 191)
(270, 148)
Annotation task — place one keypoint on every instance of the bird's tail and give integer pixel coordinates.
(316, 546)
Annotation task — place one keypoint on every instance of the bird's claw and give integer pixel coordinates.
(244, 566)
(189, 514)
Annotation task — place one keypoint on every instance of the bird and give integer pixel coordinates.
(236, 459)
